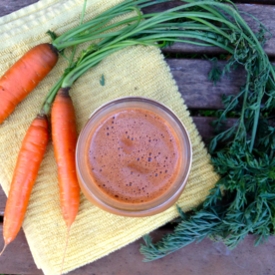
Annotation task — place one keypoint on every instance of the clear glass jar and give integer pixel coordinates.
(133, 157)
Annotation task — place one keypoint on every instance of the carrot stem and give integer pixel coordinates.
(74, 36)
(46, 106)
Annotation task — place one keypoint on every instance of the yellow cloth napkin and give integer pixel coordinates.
(139, 71)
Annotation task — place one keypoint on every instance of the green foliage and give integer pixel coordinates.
(245, 205)
(216, 72)
(53, 36)
(243, 200)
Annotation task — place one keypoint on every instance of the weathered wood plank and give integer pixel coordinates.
(3, 200)
(266, 15)
(17, 258)
(7, 6)
(206, 257)
(262, 2)
(205, 128)
(191, 76)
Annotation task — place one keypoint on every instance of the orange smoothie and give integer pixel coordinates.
(134, 155)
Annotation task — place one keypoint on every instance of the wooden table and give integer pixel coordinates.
(206, 257)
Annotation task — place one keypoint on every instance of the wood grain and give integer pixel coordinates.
(9, 6)
(262, 2)
(17, 258)
(3, 199)
(198, 91)
(206, 257)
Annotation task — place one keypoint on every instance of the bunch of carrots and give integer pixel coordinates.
(157, 29)
(39, 61)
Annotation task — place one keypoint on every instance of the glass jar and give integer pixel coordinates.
(133, 157)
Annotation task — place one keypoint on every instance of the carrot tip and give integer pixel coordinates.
(3, 249)
(65, 250)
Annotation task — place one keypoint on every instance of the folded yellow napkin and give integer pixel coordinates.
(139, 71)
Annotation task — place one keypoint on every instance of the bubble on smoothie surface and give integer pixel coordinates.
(134, 155)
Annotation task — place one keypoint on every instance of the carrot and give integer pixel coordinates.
(22, 77)
(30, 156)
(64, 137)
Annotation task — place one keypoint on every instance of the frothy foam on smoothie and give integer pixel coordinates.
(134, 155)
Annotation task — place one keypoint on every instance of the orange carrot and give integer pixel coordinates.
(64, 136)
(28, 162)
(24, 76)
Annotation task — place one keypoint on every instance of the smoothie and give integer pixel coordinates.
(134, 155)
